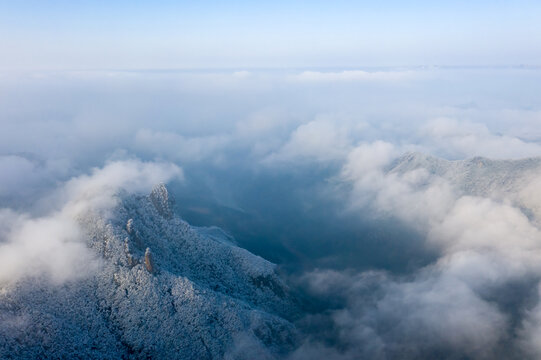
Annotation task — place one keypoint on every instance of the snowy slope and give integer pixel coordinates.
(164, 290)
(516, 181)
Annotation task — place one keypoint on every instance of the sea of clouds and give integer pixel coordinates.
(297, 165)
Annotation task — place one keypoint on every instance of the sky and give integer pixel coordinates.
(241, 34)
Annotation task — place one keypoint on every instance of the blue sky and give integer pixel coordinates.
(241, 34)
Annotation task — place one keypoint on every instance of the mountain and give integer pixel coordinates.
(163, 290)
(517, 181)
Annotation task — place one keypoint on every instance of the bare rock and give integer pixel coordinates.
(149, 263)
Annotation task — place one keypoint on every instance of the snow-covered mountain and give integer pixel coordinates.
(164, 290)
(517, 181)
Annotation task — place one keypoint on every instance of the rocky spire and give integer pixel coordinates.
(162, 201)
(149, 263)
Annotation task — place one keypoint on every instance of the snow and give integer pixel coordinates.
(164, 290)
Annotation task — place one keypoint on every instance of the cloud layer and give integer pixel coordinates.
(477, 299)
(401, 256)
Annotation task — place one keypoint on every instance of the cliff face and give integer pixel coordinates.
(164, 290)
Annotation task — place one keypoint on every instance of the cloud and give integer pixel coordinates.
(470, 301)
(465, 139)
(354, 76)
(23, 177)
(181, 148)
(317, 140)
(310, 157)
(53, 245)
(415, 196)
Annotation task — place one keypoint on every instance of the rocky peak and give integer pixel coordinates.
(162, 200)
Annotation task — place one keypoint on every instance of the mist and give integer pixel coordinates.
(394, 200)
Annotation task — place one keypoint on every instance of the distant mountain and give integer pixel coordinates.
(518, 181)
(165, 290)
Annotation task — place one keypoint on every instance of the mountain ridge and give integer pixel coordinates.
(163, 290)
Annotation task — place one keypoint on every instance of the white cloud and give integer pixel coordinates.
(53, 245)
(318, 140)
(181, 148)
(467, 139)
(354, 76)
(484, 246)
